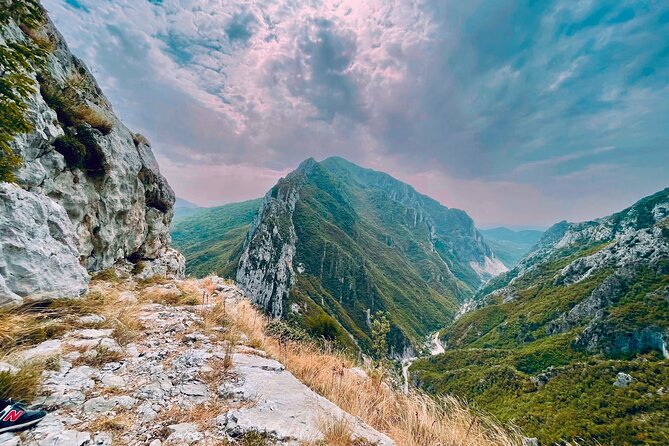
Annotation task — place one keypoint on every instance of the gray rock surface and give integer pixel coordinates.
(63, 220)
(265, 270)
(283, 406)
(623, 380)
(38, 248)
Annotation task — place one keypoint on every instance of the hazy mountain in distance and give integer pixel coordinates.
(212, 239)
(509, 245)
(184, 208)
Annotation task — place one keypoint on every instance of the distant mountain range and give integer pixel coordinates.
(510, 246)
(184, 208)
(332, 244)
(586, 308)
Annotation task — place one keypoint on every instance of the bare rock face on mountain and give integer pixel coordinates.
(266, 265)
(89, 192)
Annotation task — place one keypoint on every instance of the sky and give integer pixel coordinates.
(522, 113)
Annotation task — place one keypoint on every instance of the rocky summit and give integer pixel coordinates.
(87, 192)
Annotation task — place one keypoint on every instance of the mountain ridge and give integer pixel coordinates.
(307, 254)
(510, 246)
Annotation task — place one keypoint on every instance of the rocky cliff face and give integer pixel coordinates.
(265, 270)
(88, 188)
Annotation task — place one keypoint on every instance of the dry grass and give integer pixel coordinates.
(101, 357)
(39, 38)
(175, 293)
(116, 425)
(203, 415)
(336, 432)
(93, 117)
(22, 385)
(415, 419)
(38, 321)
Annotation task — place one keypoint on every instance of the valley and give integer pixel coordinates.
(536, 346)
(341, 306)
(545, 344)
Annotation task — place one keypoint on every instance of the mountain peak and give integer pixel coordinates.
(334, 240)
(307, 165)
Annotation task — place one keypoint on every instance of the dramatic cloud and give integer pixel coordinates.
(520, 112)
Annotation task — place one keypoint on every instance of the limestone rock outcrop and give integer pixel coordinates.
(38, 254)
(89, 192)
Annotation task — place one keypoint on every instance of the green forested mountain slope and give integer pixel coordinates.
(212, 240)
(335, 242)
(510, 246)
(546, 341)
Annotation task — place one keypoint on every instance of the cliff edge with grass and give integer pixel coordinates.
(79, 192)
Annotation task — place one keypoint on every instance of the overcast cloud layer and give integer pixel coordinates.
(520, 112)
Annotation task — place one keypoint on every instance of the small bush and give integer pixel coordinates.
(72, 150)
(285, 332)
(323, 326)
(9, 162)
(81, 150)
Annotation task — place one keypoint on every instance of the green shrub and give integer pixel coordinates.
(323, 326)
(17, 60)
(286, 332)
(81, 150)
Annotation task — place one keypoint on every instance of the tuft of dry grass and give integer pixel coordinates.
(203, 415)
(101, 357)
(38, 36)
(107, 275)
(115, 425)
(22, 385)
(336, 431)
(93, 117)
(183, 293)
(413, 419)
